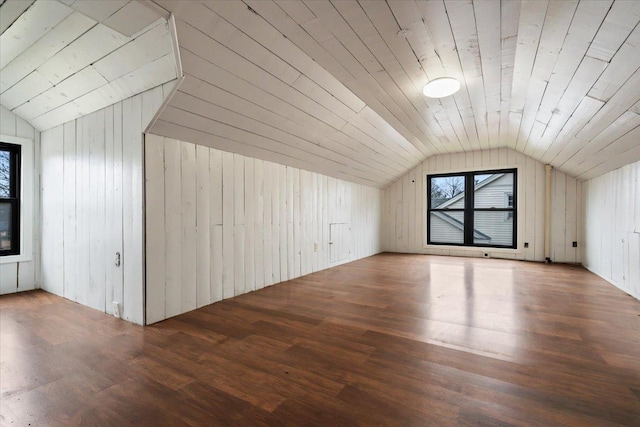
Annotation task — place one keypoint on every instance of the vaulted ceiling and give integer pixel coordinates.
(336, 86)
(62, 60)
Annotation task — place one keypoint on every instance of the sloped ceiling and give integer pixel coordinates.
(335, 86)
(62, 60)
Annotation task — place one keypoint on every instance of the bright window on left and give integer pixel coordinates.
(9, 199)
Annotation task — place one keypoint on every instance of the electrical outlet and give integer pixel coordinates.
(526, 244)
(315, 247)
(116, 309)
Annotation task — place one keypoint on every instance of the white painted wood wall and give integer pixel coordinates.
(23, 276)
(220, 224)
(405, 207)
(612, 227)
(92, 206)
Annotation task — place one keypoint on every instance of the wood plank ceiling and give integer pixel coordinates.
(336, 86)
(62, 60)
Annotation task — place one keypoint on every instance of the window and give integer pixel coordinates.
(472, 209)
(9, 199)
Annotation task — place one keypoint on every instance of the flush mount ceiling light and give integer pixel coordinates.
(439, 88)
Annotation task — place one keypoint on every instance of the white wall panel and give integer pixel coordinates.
(612, 227)
(92, 196)
(405, 207)
(266, 223)
(23, 275)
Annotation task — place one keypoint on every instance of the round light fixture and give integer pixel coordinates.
(441, 87)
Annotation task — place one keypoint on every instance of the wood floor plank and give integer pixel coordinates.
(387, 340)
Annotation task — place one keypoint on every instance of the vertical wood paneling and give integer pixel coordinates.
(250, 207)
(203, 234)
(27, 270)
(405, 204)
(173, 228)
(95, 295)
(227, 226)
(93, 186)
(188, 235)
(611, 230)
(215, 188)
(268, 256)
(264, 223)
(238, 230)
(69, 212)
(258, 225)
(115, 235)
(155, 228)
(52, 223)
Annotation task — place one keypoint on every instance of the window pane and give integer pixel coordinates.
(493, 190)
(5, 173)
(447, 227)
(447, 192)
(493, 228)
(5, 226)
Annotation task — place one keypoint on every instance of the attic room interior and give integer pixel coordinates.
(320, 212)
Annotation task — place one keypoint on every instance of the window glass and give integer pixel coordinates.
(5, 173)
(447, 227)
(472, 209)
(490, 190)
(447, 192)
(490, 228)
(5, 226)
(9, 199)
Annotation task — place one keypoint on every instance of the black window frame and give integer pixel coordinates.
(15, 152)
(470, 209)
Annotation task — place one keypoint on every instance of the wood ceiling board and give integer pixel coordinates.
(37, 21)
(487, 15)
(94, 45)
(69, 29)
(149, 76)
(621, 20)
(623, 64)
(29, 87)
(10, 10)
(413, 52)
(610, 135)
(436, 19)
(624, 151)
(257, 28)
(557, 153)
(132, 18)
(69, 89)
(509, 19)
(222, 115)
(201, 45)
(619, 103)
(532, 15)
(296, 9)
(172, 130)
(149, 46)
(557, 20)
(340, 70)
(465, 32)
(99, 10)
(584, 26)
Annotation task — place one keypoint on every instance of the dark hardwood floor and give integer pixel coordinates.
(403, 340)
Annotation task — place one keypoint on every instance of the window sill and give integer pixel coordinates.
(474, 249)
(11, 259)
